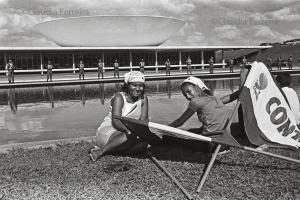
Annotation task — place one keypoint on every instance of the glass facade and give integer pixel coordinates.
(207, 55)
(29, 60)
(2, 62)
(195, 57)
(90, 59)
(60, 60)
(149, 58)
(123, 58)
(25, 61)
(172, 56)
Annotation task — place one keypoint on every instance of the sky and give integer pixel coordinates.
(207, 22)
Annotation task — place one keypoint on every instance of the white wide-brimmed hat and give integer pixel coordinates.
(196, 81)
(134, 76)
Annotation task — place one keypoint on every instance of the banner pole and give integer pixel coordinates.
(186, 193)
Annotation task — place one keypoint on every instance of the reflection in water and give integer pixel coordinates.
(102, 93)
(12, 100)
(51, 95)
(82, 93)
(168, 84)
(231, 85)
(211, 85)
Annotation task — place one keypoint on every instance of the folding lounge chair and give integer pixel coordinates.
(144, 131)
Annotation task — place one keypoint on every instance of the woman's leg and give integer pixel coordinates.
(118, 142)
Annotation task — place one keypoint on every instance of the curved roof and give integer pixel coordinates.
(110, 30)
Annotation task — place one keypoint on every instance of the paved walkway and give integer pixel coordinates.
(69, 76)
(25, 78)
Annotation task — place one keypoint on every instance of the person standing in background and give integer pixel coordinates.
(279, 63)
(244, 62)
(100, 68)
(231, 62)
(142, 66)
(211, 65)
(189, 65)
(10, 71)
(290, 62)
(49, 71)
(116, 69)
(81, 70)
(168, 67)
(269, 63)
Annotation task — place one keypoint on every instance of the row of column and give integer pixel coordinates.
(130, 60)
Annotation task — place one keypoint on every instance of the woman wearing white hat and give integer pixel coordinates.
(112, 136)
(210, 110)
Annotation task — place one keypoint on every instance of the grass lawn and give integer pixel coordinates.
(66, 172)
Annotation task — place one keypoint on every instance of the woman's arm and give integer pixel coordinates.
(183, 118)
(145, 108)
(231, 97)
(117, 104)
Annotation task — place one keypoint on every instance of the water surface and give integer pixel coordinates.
(48, 113)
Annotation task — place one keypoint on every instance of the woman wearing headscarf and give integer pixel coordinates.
(112, 136)
(210, 110)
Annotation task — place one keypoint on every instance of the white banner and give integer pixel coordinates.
(273, 115)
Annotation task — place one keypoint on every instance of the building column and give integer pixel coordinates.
(5, 62)
(180, 62)
(42, 66)
(156, 62)
(103, 61)
(130, 60)
(202, 59)
(73, 58)
(223, 61)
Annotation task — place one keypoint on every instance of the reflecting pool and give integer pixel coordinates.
(60, 112)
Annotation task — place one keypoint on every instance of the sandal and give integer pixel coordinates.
(92, 154)
(92, 157)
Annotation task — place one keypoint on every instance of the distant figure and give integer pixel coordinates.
(142, 66)
(100, 66)
(284, 81)
(211, 65)
(81, 70)
(244, 62)
(279, 63)
(116, 68)
(290, 62)
(49, 71)
(269, 63)
(10, 71)
(231, 62)
(168, 67)
(189, 65)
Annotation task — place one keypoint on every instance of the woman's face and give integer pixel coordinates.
(136, 89)
(190, 91)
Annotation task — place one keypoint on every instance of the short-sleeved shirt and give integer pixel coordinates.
(10, 66)
(100, 65)
(188, 61)
(211, 113)
(116, 65)
(49, 66)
